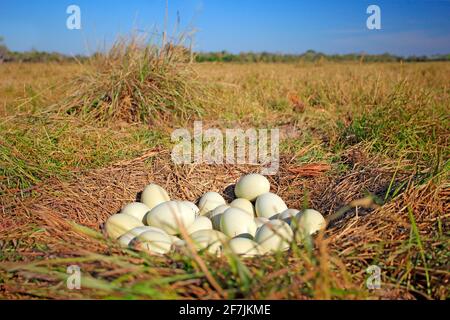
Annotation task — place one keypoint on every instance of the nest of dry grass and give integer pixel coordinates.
(364, 233)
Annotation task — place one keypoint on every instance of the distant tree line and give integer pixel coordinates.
(224, 56)
(310, 56)
(36, 56)
(33, 55)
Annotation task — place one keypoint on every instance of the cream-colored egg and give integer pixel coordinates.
(154, 195)
(126, 239)
(200, 223)
(174, 238)
(209, 201)
(251, 186)
(307, 222)
(178, 243)
(120, 223)
(216, 215)
(286, 215)
(243, 204)
(170, 216)
(260, 221)
(237, 222)
(244, 247)
(268, 205)
(211, 240)
(193, 207)
(153, 242)
(276, 235)
(136, 209)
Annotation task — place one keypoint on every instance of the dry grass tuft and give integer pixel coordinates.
(138, 81)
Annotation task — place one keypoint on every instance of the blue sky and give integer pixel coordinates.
(289, 26)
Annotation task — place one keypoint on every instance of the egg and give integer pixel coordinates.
(178, 243)
(307, 222)
(174, 239)
(126, 239)
(209, 201)
(170, 216)
(243, 204)
(276, 235)
(193, 207)
(136, 209)
(211, 240)
(268, 205)
(237, 222)
(200, 223)
(154, 242)
(260, 221)
(216, 215)
(120, 223)
(286, 215)
(244, 247)
(251, 186)
(154, 195)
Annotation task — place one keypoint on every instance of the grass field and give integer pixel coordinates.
(367, 144)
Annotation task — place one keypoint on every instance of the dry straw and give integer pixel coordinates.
(59, 215)
(138, 80)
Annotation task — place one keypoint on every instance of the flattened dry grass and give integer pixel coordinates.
(25, 86)
(36, 148)
(50, 233)
(400, 110)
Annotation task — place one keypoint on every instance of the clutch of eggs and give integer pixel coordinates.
(256, 222)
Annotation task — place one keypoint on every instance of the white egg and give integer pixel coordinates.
(212, 240)
(153, 242)
(276, 235)
(178, 243)
(136, 209)
(154, 195)
(209, 201)
(307, 222)
(260, 221)
(174, 239)
(235, 222)
(243, 204)
(193, 207)
(120, 223)
(286, 215)
(269, 204)
(244, 247)
(251, 186)
(126, 239)
(216, 215)
(200, 223)
(170, 216)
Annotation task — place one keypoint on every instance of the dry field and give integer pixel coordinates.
(365, 144)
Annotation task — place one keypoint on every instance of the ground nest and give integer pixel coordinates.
(45, 220)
